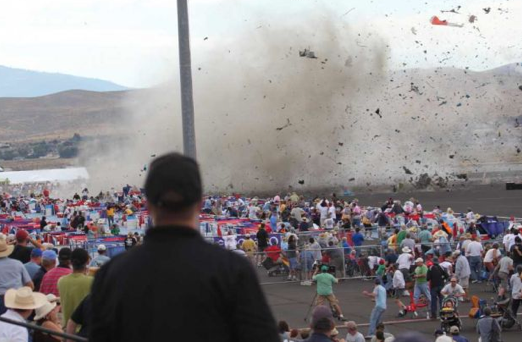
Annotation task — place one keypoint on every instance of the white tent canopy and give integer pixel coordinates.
(39, 176)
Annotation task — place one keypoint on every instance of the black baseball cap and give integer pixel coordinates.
(64, 254)
(173, 182)
(79, 257)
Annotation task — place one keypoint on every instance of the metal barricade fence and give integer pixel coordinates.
(35, 328)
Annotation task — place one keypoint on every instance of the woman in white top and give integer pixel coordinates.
(491, 258)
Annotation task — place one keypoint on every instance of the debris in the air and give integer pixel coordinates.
(452, 10)
(407, 171)
(517, 124)
(301, 181)
(397, 131)
(436, 21)
(487, 10)
(415, 89)
(459, 104)
(307, 53)
(462, 176)
(418, 161)
(414, 31)
(348, 12)
(451, 156)
(153, 155)
(378, 112)
(285, 126)
(348, 62)
(472, 18)
(341, 144)
(206, 38)
(443, 103)
(520, 87)
(351, 179)
(518, 149)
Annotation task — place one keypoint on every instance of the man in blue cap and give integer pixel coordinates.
(379, 294)
(48, 263)
(34, 264)
(324, 282)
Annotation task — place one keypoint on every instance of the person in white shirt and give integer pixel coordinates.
(462, 270)
(453, 289)
(353, 335)
(505, 266)
(230, 241)
(491, 257)
(470, 216)
(474, 253)
(20, 305)
(404, 261)
(509, 239)
(252, 212)
(516, 290)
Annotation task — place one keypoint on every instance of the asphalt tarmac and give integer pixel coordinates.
(291, 301)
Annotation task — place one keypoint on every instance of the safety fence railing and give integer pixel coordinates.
(349, 262)
(36, 328)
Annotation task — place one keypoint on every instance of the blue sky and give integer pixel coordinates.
(134, 42)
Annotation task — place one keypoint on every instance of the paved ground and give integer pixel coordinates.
(291, 301)
(486, 199)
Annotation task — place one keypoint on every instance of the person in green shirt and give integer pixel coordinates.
(74, 287)
(324, 282)
(402, 235)
(421, 283)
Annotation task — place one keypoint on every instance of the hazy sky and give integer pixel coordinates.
(134, 42)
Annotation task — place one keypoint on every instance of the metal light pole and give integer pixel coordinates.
(185, 75)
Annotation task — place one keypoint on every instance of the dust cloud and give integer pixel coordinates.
(268, 119)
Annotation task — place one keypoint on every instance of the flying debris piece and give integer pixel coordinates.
(487, 10)
(462, 176)
(407, 171)
(414, 31)
(518, 149)
(520, 87)
(378, 112)
(301, 181)
(472, 18)
(415, 89)
(517, 124)
(341, 144)
(349, 62)
(351, 179)
(459, 104)
(436, 21)
(452, 156)
(307, 53)
(153, 155)
(206, 38)
(285, 126)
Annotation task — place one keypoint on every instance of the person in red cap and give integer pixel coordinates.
(22, 252)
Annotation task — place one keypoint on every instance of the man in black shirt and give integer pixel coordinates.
(176, 286)
(516, 252)
(81, 316)
(262, 243)
(437, 277)
(43, 223)
(21, 251)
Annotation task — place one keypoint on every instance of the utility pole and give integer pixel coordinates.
(185, 75)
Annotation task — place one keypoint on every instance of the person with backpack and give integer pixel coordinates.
(437, 276)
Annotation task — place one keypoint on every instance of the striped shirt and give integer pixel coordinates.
(50, 280)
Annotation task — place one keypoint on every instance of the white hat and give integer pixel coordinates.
(419, 260)
(406, 249)
(5, 249)
(44, 310)
(102, 247)
(24, 298)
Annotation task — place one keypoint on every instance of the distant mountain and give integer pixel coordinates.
(27, 83)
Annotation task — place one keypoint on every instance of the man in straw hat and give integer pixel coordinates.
(404, 262)
(20, 305)
(13, 274)
(212, 291)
